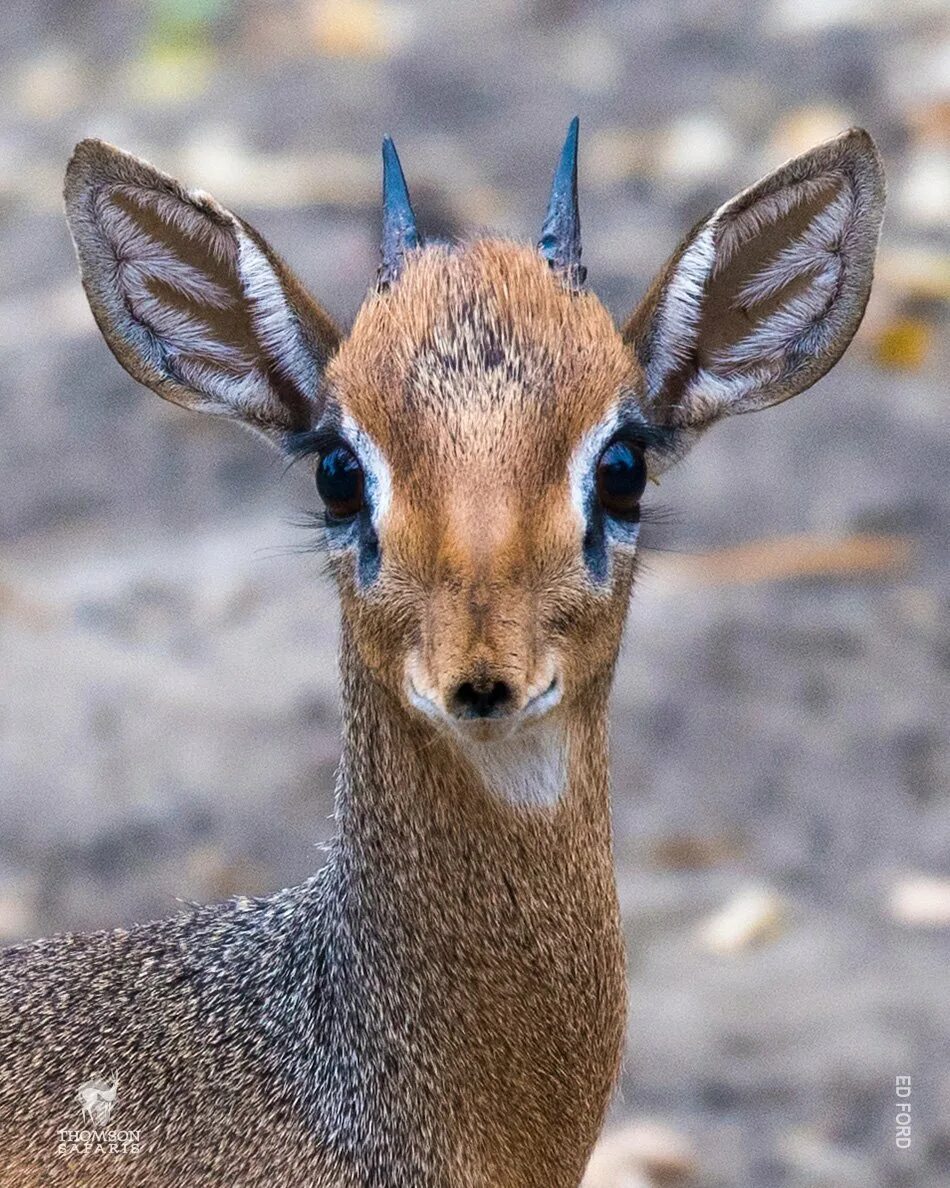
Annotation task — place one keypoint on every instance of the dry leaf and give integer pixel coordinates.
(904, 344)
(753, 916)
(693, 852)
(781, 558)
(644, 1155)
(800, 130)
(350, 29)
(922, 901)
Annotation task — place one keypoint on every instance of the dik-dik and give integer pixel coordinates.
(442, 1004)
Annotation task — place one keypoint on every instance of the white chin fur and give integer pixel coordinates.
(528, 768)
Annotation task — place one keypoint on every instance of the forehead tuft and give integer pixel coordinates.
(473, 343)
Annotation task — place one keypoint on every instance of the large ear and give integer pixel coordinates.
(190, 298)
(763, 296)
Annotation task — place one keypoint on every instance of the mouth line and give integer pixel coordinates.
(544, 701)
(425, 705)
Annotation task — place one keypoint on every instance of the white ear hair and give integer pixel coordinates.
(190, 298)
(764, 295)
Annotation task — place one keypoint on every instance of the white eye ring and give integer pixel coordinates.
(377, 478)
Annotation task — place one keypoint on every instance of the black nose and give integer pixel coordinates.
(485, 699)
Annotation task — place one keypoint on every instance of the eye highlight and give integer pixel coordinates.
(340, 483)
(621, 477)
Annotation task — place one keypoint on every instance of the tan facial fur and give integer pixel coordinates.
(478, 377)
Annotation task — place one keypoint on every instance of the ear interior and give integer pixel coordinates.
(780, 268)
(765, 294)
(180, 280)
(189, 297)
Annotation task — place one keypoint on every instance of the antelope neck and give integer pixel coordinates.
(402, 777)
(486, 935)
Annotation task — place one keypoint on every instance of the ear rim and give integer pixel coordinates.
(95, 164)
(852, 154)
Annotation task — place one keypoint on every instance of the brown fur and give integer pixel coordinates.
(489, 374)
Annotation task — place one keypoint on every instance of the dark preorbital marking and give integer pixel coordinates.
(596, 555)
(368, 551)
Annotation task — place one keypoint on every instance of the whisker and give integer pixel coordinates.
(311, 521)
(660, 517)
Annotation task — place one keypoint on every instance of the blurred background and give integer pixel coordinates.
(168, 698)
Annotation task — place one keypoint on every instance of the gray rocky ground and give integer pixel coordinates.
(168, 702)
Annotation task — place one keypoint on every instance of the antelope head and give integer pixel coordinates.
(483, 436)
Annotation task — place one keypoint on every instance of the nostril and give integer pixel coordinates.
(483, 700)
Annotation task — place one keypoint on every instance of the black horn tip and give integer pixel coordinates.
(560, 241)
(399, 222)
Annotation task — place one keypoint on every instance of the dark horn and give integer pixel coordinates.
(560, 241)
(399, 223)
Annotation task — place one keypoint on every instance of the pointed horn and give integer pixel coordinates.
(399, 223)
(560, 241)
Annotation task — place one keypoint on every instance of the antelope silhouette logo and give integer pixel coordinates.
(97, 1098)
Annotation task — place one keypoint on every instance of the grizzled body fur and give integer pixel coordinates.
(355, 1030)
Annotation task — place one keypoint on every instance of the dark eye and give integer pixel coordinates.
(621, 477)
(340, 483)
